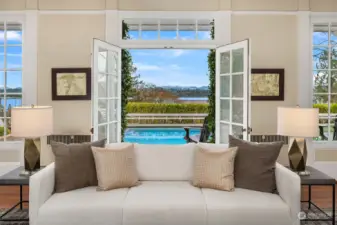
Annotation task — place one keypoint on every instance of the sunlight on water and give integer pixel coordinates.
(158, 135)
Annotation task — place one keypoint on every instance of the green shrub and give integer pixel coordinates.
(2, 131)
(136, 107)
(323, 108)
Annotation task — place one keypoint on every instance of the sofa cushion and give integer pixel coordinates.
(164, 203)
(165, 162)
(83, 206)
(74, 165)
(245, 207)
(116, 168)
(213, 147)
(214, 169)
(255, 163)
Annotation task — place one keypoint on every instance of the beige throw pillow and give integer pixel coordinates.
(214, 169)
(116, 168)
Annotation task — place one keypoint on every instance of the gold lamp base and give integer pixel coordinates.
(32, 151)
(298, 154)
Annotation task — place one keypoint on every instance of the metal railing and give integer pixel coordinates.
(167, 119)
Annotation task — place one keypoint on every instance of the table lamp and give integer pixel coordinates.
(299, 124)
(32, 123)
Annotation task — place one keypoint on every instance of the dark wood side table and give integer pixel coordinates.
(318, 178)
(13, 178)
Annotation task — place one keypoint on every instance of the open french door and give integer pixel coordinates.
(232, 91)
(106, 93)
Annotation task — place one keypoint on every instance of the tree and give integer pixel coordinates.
(211, 95)
(127, 70)
(146, 92)
(321, 76)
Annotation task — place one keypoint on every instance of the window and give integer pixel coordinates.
(324, 70)
(169, 29)
(10, 72)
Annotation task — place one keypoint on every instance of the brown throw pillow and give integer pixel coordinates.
(214, 169)
(254, 166)
(74, 165)
(116, 168)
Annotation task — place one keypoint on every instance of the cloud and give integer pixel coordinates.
(178, 52)
(175, 67)
(176, 78)
(152, 67)
(147, 67)
(205, 36)
(11, 35)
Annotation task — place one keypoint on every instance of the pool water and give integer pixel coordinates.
(173, 136)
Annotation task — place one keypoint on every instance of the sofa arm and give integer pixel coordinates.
(289, 188)
(41, 187)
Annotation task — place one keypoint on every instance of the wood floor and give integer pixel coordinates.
(9, 195)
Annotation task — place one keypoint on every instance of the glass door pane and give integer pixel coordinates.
(232, 91)
(106, 100)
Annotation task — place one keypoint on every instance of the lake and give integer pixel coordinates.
(12, 102)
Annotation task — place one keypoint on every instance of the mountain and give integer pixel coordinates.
(187, 91)
(184, 87)
(11, 90)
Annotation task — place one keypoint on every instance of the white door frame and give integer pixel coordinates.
(96, 45)
(245, 44)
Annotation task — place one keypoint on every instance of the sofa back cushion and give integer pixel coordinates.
(165, 162)
(74, 165)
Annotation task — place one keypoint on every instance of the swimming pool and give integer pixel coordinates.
(173, 136)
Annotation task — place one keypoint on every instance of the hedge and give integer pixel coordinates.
(323, 108)
(139, 107)
(136, 107)
(2, 131)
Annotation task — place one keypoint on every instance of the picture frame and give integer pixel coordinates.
(267, 85)
(71, 84)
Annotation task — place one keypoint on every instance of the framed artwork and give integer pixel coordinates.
(267, 85)
(71, 83)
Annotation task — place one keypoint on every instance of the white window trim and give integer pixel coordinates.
(29, 21)
(114, 20)
(305, 94)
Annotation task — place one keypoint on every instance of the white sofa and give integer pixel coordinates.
(165, 197)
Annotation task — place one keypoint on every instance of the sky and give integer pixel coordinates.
(321, 40)
(171, 67)
(14, 58)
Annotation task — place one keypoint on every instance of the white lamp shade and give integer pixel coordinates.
(297, 122)
(32, 122)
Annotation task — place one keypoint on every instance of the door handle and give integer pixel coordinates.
(249, 130)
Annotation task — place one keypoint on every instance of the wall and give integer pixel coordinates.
(66, 41)
(173, 5)
(273, 45)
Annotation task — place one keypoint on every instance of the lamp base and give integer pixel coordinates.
(32, 155)
(304, 173)
(298, 156)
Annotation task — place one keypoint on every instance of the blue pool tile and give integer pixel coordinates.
(162, 135)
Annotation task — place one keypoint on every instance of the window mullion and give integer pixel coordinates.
(329, 84)
(5, 80)
(140, 30)
(196, 30)
(177, 30)
(158, 29)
